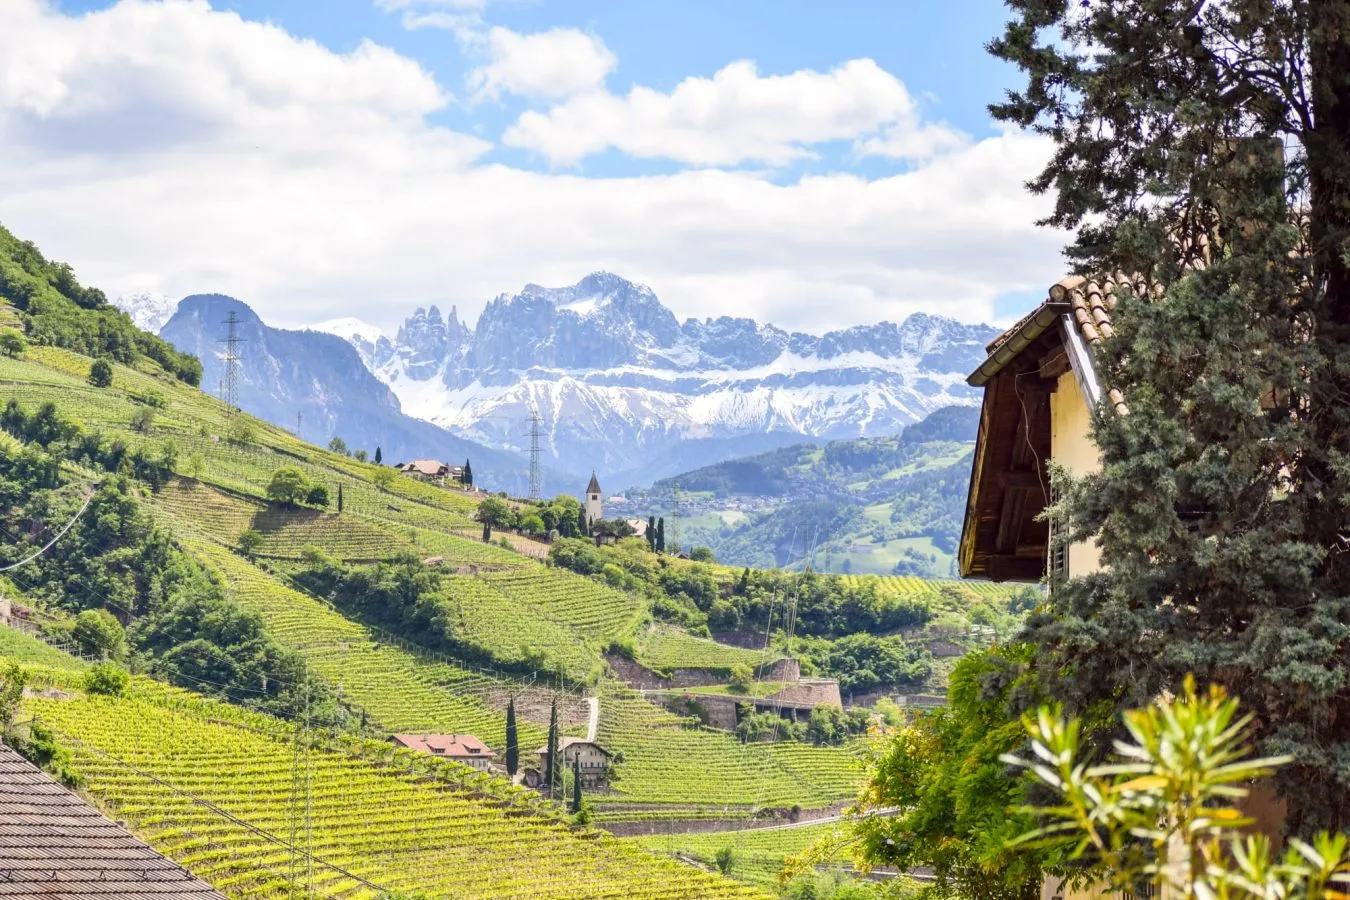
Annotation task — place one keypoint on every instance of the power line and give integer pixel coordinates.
(230, 381)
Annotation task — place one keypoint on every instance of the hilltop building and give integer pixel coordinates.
(594, 509)
(56, 845)
(432, 470)
(462, 748)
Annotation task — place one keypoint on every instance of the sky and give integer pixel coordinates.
(813, 165)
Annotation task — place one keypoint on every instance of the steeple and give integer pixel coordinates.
(594, 510)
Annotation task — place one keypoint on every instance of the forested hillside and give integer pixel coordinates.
(873, 505)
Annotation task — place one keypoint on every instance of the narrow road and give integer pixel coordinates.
(593, 724)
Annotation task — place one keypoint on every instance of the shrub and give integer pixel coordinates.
(741, 678)
(241, 433)
(12, 342)
(250, 542)
(725, 859)
(106, 679)
(98, 633)
(143, 420)
(101, 373)
(289, 485)
(384, 479)
(317, 496)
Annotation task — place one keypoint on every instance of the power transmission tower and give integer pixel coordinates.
(297, 423)
(230, 388)
(536, 481)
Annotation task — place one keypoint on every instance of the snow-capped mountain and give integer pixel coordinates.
(623, 387)
(322, 379)
(148, 311)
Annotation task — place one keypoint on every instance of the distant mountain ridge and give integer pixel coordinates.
(884, 505)
(623, 387)
(322, 378)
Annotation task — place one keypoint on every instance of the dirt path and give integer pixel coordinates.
(593, 724)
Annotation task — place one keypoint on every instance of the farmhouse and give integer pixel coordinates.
(594, 760)
(55, 845)
(432, 470)
(462, 748)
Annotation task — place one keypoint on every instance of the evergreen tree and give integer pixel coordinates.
(743, 586)
(339, 496)
(467, 478)
(576, 785)
(651, 532)
(583, 526)
(379, 457)
(1223, 501)
(512, 739)
(661, 535)
(552, 765)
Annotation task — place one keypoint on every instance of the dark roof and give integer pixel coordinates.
(1002, 537)
(54, 845)
(594, 486)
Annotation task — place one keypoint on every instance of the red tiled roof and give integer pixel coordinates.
(54, 845)
(425, 467)
(451, 746)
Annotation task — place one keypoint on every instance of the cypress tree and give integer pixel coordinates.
(467, 478)
(512, 739)
(651, 532)
(552, 765)
(1221, 504)
(379, 457)
(661, 535)
(743, 586)
(583, 527)
(487, 533)
(576, 785)
(339, 496)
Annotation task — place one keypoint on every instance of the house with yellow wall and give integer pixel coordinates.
(1041, 386)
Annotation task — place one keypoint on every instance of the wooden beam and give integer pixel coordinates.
(1053, 364)
(1002, 567)
(1010, 519)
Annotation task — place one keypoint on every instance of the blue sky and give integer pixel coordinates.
(846, 171)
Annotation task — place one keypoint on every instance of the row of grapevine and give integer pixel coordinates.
(373, 828)
(669, 648)
(573, 600)
(758, 855)
(665, 754)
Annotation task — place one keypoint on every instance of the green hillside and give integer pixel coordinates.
(877, 506)
(212, 787)
(240, 571)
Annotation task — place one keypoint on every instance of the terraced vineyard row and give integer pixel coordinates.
(575, 601)
(393, 828)
(518, 632)
(286, 532)
(664, 755)
(909, 585)
(668, 649)
(24, 648)
(398, 689)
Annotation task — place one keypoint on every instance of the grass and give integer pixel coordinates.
(759, 853)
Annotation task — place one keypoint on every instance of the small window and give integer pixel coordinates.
(1059, 553)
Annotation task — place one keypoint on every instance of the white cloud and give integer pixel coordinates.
(739, 116)
(168, 148)
(551, 64)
